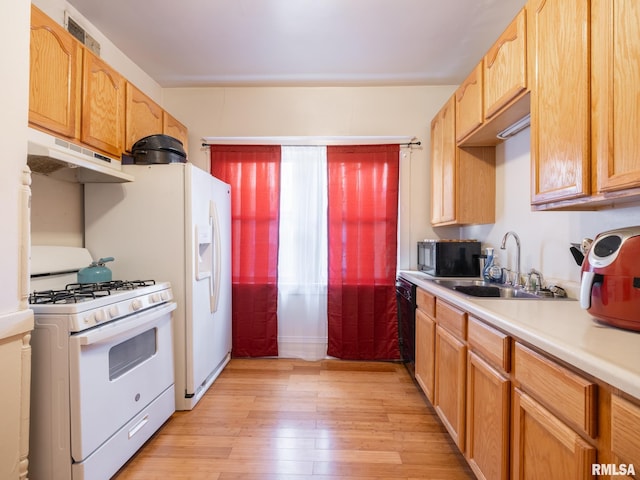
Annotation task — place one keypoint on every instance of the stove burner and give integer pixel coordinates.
(79, 292)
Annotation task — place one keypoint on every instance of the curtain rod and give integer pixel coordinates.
(307, 141)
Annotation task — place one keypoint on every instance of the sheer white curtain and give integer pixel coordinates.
(302, 256)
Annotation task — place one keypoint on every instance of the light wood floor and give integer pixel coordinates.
(276, 419)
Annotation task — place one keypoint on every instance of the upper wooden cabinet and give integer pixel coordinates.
(505, 67)
(55, 77)
(143, 117)
(103, 102)
(496, 93)
(443, 165)
(463, 179)
(584, 103)
(560, 153)
(172, 127)
(615, 83)
(76, 95)
(469, 110)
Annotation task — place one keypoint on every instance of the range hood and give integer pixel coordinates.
(66, 161)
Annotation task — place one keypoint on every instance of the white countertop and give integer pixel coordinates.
(558, 327)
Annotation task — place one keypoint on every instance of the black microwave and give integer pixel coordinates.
(449, 258)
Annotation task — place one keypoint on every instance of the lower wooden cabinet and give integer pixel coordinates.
(571, 396)
(488, 413)
(425, 353)
(516, 412)
(450, 381)
(545, 447)
(625, 431)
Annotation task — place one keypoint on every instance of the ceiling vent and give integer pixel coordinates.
(81, 34)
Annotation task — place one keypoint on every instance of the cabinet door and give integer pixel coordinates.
(560, 106)
(469, 111)
(625, 425)
(544, 447)
(488, 412)
(144, 117)
(425, 352)
(103, 102)
(172, 127)
(443, 165)
(616, 93)
(55, 77)
(505, 67)
(436, 169)
(451, 362)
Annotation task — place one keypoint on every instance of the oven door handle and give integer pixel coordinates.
(129, 326)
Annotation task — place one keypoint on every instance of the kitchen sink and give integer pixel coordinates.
(480, 288)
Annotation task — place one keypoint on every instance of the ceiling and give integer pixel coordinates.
(302, 42)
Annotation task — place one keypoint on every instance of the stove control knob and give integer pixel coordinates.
(164, 296)
(90, 319)
(113, 312)
(136, 304)
(101, 316)
(155, 298)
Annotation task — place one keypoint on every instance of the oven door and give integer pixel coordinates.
(115, 371)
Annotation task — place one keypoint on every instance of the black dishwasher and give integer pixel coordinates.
(406, 296)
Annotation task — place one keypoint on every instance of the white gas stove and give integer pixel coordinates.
(102, 367)
(90, 304)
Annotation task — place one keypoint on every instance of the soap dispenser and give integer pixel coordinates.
(495, 271)
(488, 263)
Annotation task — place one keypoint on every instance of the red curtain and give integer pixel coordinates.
(254, 175)
(363, 214)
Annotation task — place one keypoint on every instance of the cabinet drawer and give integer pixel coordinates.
(625, 425)
(451, 318)
(561, 390)
(426, 302)
(490, 343)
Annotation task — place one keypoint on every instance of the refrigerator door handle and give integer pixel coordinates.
(214, 279)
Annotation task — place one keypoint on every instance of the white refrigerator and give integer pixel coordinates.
(173, 223)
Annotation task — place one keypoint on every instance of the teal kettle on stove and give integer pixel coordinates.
(97, 272)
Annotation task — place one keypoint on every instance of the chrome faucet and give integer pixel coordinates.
(516, 282)
(539, 285)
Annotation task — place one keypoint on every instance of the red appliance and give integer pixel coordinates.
(610, 288)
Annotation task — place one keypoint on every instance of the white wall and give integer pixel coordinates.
(324, 111)
(14, 98)
(545, 236)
